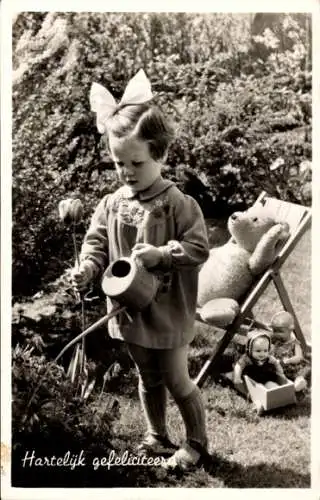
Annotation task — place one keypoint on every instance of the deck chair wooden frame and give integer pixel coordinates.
(299, 220)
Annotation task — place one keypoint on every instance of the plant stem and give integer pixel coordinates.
(90, 329)
(76, 254)
(83, 339)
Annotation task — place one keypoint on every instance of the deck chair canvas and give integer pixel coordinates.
(299, 219)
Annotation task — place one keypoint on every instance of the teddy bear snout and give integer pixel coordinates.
(234, 221)
(235, 215)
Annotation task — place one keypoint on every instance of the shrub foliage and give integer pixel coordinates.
(238, 87)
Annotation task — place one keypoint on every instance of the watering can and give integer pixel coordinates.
(127, 281)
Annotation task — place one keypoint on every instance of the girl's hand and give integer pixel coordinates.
(81, 276)
(148, 254)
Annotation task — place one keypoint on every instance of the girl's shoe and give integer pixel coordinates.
(187, 458)
(156, 445)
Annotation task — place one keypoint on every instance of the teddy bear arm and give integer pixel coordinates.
(266, 251)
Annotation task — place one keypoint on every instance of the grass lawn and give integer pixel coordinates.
(296, 274)
(272, 451)
(247, 451)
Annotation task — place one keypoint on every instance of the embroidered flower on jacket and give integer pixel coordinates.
(132, 212)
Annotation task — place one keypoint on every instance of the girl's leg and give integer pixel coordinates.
(152, 391)
(173, 364)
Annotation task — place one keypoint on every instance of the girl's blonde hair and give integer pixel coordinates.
(147, 123)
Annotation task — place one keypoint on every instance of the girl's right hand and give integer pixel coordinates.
(81, 276)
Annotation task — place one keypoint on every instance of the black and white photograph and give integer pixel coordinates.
(158, 243)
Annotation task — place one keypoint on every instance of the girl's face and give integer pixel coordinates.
(260, 349)
(134, 165)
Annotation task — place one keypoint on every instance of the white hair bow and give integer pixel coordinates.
(104, 104)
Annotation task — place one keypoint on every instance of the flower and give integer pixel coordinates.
(229, 169)
(71, 211)
(276, 164)
(305, 166)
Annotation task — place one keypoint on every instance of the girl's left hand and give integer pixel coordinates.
(148, 254)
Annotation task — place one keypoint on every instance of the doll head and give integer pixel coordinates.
(282, 324)
(258, 345)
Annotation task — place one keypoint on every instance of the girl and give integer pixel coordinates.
(151, 219)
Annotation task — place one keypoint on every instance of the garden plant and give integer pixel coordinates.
(238, 86)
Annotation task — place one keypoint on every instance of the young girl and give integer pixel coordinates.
(151, 219)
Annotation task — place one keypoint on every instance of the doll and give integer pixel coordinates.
(258, 363)
(289, 350)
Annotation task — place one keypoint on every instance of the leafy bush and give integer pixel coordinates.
(50, 319)
(47, 417)
(236, 115)
(53, 422)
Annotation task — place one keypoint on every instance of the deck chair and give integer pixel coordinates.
(299, 219)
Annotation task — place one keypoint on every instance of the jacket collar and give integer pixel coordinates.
(158, 187)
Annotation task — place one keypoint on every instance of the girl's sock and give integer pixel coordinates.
(153, 401)
(193, 414)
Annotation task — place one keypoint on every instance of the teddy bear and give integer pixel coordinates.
(231, 268)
